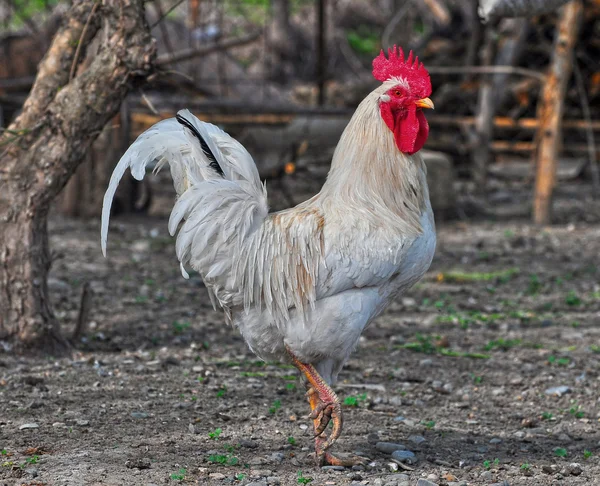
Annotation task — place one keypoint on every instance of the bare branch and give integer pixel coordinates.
(80, 42)
(191, 53)
(162, 17)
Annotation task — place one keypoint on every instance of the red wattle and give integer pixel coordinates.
(409, 126)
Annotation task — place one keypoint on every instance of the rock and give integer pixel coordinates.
(503, 483)
(398, 477)
(29, 426)
(277, 457)
(425, 482)
(557, 391)
(32, 471)
(260, 473)
(216, 476)
(405, 456)
(486, 475)
(138, 463)
(575, 469)
(416, 439)
(389, 447)
(248, 444)
(425, 363)
(440, 178)
(550, 469)
(495, 441)
(393, 467)
(273, 481)
(333, 468)
(139, 415)
(82, 423)
(255, 483)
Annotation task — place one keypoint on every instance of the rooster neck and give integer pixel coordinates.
(368, 172)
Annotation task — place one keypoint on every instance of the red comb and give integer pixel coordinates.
(396, 66)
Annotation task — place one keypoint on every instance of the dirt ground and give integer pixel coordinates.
(460, 371)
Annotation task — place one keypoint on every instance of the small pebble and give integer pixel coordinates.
(575, 469)
(216, 476)
(29, 426)
(139, 415)
(333, 468)
(32, 471)
(277, 457)
(486, 475)
(495, 441)
(425, 482)
(405, 456)
(389, 447)
(273, 481)
(248, 444)
(139, 463)
(399, 477)
(558, 390)
(260, 473)
(416, 439)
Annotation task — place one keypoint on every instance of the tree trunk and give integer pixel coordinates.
(551, 111)
(46, 143)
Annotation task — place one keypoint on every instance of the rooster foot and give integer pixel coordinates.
(324, 413)
(325, 458)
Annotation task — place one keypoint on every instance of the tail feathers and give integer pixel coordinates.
(213, 162)
(197, 153)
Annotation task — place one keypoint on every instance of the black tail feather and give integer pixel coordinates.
(211, 157)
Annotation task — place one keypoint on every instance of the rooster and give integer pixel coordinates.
(302, 284)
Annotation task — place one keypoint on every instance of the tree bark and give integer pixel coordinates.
(551, 111)
(46, 143)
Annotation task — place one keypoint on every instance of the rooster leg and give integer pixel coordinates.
(325, 407)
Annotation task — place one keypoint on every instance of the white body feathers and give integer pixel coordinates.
(314, 276)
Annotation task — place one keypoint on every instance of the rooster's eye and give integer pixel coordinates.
(397, 92)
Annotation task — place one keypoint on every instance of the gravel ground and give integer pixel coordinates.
(487, 372)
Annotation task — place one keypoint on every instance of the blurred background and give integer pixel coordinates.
(284, 76)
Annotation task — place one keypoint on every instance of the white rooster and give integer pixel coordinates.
(302, 284)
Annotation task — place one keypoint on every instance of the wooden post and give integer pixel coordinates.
(551, 110)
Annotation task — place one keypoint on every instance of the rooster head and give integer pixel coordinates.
(407, 88)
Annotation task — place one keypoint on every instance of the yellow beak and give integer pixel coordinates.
(424, 103)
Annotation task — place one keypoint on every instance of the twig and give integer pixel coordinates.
(81, 37)
(160, 19)
(486, 70)
(353, 61)
(187, 54)
(149, 104)
(589, 132)
(389, 28)
(84, 311)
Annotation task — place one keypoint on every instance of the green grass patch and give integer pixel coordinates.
(457, 276)
(425, 344)
(503, 344)
(355, 400)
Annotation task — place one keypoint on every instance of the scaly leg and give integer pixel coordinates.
(325, 407)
